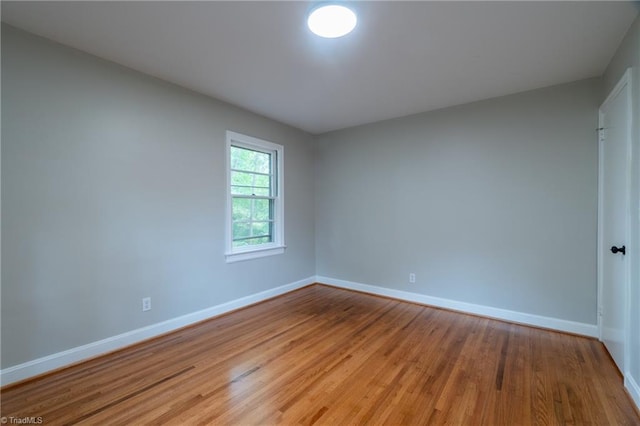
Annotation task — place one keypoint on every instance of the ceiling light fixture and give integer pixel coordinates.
(331, 20)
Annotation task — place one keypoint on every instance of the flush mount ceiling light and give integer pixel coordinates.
(331, 20)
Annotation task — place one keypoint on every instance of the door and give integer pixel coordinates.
(614, 219)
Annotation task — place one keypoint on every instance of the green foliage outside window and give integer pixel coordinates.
(252, 196)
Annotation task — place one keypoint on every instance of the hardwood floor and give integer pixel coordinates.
(322, 355)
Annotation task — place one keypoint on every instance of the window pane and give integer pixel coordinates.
(262, 209)
(241, 178)
(250, 184)
(263, 240)
(241, 243)
(262, 181)
(241, 230)
(261, 228)
(262, 192)
(241, 158)
(262, 162)
(249, 160)
(240, 190)
(241, 208)
(252, 241)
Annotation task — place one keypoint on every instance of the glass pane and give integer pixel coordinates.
(262, 162)
(252, 241)
(241, 230)
(262, 181)
(241, 209)
(241, 158)
(263, 240)
(261, 228)
(262, 209)
(249, 160)
(242, 243)
(263, 192)
(241, 190)
(240, 178)
(250, 184)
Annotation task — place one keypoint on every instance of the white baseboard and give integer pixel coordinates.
(71, 356)
(633, 388)
(590, 330)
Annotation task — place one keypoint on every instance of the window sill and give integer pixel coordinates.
(255, 253)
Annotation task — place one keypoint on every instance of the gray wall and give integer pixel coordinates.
(113, 188)
(492, 203)
(628, 55)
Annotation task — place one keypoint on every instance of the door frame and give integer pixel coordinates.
(623, 84)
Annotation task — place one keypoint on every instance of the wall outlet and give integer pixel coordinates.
(146, 304)
(412, 278)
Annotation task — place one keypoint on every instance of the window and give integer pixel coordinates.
(254, 198)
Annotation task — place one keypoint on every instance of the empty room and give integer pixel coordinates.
(330, 213)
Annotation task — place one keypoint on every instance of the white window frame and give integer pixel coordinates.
(277, 246)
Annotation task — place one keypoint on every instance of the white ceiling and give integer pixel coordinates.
(403, 57)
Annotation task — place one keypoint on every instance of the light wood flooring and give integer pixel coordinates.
(322, 355)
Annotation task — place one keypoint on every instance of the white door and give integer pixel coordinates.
(613, 238)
